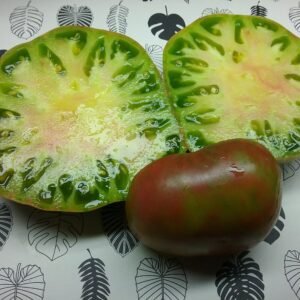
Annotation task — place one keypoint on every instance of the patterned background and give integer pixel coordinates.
(95, 256)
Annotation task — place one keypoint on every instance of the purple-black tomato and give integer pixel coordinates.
(221, 199)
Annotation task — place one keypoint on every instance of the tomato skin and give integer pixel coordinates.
(221, 199)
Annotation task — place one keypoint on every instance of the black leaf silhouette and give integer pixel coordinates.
(116, 228)
(54, 233)
(26, 21)
(156, 54)
(73, 15)
(294, 16)
(292, 270)
(241, 279)
(165, 25)
(187, 1)
(2, 51)
(213, 11)
(5, 223)
(23, 284)
(290, 168)
(160, 279)
(258, 10)
(275, 232)
(95, 282)
(117, 18)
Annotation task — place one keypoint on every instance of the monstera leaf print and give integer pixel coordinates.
(294, 16)
(73, 15)
(258, 10)
(213, 11)
(240, 278)
(165, 25)
(25, 283)
(5, 223)
(292, 270)
(156, 54)
(26, 21)
(290, 168)
(53, 233)
(160, 279)
(116, 228)
(95, 282)
(117, 18)
(275, 232)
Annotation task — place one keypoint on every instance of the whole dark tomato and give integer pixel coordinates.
(221, 199)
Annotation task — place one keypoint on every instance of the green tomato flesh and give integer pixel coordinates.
(81, 111)
(233, 76)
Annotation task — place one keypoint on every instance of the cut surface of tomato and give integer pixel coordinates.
(234, 76)
(81, 111)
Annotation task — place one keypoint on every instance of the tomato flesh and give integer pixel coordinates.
(81, 111)
(234, 76)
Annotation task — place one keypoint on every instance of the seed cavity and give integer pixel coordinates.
(46, 52)
(77, 37)
(85, 193)
(282, 43)
(173, 143)
(11, 89)
(123, 47)
(296, 60)
(31, 173)
(262, 128)
(65, 184)
(292, 143)
(5, 176)
(237, 57)
(7, 113)
(259, 22)
(125, 74)
(188, 99)
(268, 128)
(6, 133)
(11, 62)
(256, 127)
(210, 25)
(191, 64)
(7, 150)
(47, 195)
(147, 105)
(97, 56)
(102, 178)
(178, 79)
(238, 27)
(152, 126)
(292, 76)
(196, 140)
(203, 117)
(149, 82)
(296, 122)
(118, 172)
(204, 43)
(178, 47)
(122, 178)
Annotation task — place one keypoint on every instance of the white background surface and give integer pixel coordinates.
(61, 274)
